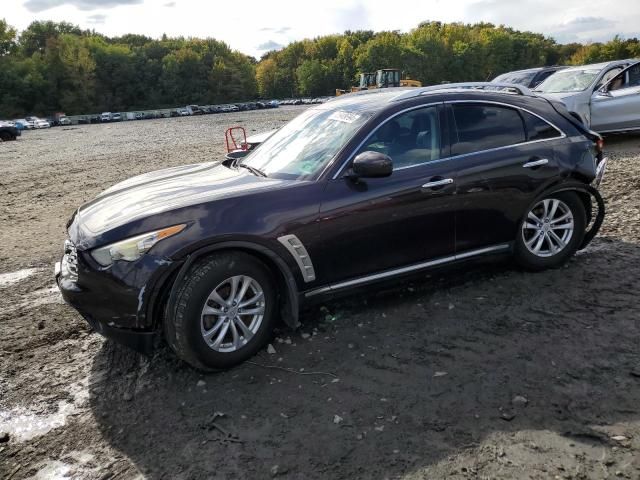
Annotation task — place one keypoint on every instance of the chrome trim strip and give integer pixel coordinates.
(407, 269)
(301, 256)
(438, 183)
(454, 157)
(536, 163)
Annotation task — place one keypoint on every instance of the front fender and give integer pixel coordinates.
(289, 299)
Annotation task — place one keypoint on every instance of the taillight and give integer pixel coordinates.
(599, 146)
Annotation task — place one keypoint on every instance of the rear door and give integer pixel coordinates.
(503, 157)
(617, 106)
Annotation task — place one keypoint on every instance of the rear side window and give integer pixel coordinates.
(538, 129)
(482, 127)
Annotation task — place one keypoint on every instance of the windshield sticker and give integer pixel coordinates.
(346, 117)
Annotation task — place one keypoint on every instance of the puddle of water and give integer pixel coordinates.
(10, 278)
(75, 464)
(23, 424)
(53, 470)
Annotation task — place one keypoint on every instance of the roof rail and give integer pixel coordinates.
(507, 88)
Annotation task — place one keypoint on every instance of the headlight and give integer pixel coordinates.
(133, 248)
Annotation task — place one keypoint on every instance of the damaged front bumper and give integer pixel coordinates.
(117, 301)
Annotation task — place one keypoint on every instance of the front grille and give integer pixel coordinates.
(70, 259)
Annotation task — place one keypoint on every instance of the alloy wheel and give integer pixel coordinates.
(548, 228)
(232, 313)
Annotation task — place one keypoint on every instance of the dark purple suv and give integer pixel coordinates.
(369, 187)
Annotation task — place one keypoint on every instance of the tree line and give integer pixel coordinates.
(52, 66)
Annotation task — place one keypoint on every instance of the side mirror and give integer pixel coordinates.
(371, 165)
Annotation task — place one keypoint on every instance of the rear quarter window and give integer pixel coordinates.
(481, 127)
(539, 129)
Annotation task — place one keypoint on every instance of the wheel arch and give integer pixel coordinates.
(587, 195)
(287, 287)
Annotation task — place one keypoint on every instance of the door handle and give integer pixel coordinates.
(536, 163)
(438, 183)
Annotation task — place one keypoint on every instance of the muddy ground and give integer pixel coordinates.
(481, 372)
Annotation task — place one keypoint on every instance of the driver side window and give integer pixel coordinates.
(608, 76)
(627, 79)
(410, 139)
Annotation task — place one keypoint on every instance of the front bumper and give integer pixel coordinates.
(115, 301)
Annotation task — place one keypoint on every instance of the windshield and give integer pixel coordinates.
(305, 145)
(522, 78)
(569, 81)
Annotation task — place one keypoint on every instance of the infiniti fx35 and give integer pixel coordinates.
(369, 187)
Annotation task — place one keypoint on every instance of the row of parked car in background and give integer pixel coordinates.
(190, 110)
(603, 96)
(12, 129)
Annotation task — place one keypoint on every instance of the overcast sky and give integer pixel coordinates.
(255, 26)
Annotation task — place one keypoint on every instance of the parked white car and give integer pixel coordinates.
(40, 123)
(26, 125)
(105, 117)
(604, 96)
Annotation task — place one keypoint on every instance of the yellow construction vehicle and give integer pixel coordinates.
(387, 77)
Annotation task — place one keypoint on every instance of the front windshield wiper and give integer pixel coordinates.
(253, 170)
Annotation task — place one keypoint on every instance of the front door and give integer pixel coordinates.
(373, 225)
(618, 106)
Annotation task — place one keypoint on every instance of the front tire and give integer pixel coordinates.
(224, 311)
(550, 232)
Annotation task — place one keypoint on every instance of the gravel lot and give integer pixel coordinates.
(483, 372)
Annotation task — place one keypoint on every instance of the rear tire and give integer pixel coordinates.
(550, 232)
(6, 136)
(224, 311)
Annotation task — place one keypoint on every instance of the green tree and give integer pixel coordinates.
(7, 38)
(312, 78)
(35, 37)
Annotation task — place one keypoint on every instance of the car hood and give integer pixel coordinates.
(570, 99)
(168, 189)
